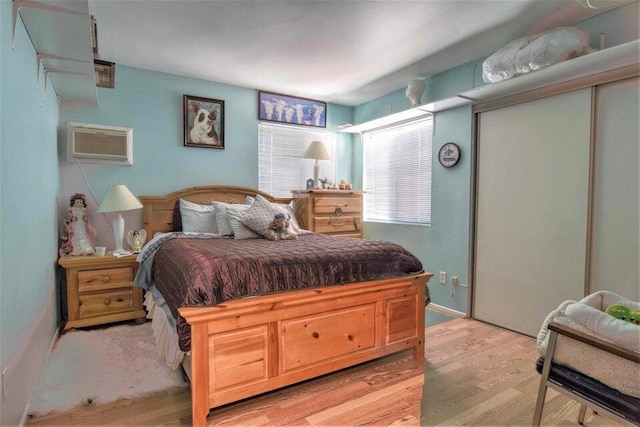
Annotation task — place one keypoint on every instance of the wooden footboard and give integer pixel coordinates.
(246, 347)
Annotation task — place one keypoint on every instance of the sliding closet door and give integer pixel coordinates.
(532, 205)
(614, 265)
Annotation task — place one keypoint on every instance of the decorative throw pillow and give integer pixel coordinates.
(261, 213)
(290, 207)
(240, 231)
(222, 219)
(197, 218)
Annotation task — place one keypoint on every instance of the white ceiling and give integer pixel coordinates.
(344, 52)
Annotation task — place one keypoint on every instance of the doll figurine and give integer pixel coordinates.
(78, 237)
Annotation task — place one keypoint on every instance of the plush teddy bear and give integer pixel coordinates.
(278, 229)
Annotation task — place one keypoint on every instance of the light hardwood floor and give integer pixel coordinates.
(474, 374)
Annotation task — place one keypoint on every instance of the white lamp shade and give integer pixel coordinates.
(316, 150)
(119, 198)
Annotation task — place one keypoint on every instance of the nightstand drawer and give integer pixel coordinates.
(333, 224)
(104, 278)
(329, 205)
(106, 302)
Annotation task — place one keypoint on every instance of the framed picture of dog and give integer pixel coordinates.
(274, 107)
(203, 122)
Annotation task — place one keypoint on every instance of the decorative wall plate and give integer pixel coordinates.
(449, 154)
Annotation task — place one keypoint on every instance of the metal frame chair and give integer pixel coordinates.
(552, 376)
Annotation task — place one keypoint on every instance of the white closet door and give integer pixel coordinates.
(532, 205)
(614, 265)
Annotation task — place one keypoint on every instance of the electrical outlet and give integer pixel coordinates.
(443, 277)
(4, 383)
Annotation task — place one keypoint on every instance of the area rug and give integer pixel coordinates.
(101, 366)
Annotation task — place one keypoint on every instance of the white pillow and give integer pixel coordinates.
(240, 231)
(222, 219)
(197, 218)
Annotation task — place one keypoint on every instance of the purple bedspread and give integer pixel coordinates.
(204, 272)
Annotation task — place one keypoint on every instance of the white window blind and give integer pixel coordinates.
(397, 173)
(281, 167)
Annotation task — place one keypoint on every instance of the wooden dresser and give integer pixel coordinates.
(100, 290)
(334, 212)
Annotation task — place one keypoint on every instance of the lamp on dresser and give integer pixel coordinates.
(117, 199)
(317, 151)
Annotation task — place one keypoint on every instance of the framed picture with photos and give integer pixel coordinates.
(274, 107)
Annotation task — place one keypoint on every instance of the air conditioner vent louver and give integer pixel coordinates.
(99, 144)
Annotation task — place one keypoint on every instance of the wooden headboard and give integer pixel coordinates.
(157, 214)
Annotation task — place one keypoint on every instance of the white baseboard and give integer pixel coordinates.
(446, 310)
(39, 333)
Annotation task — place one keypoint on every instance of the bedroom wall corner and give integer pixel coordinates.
(451, 188)
(444, 245)
(151, 103)
(29, 185)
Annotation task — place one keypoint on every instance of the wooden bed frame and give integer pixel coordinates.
(245, 347)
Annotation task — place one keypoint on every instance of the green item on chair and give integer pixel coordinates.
(622, 312)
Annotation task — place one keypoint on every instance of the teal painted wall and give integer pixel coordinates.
(151, 103)
(29, 184)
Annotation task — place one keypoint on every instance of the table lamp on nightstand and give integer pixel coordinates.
(117, 199)
(316, 151)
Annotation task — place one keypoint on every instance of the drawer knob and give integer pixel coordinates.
(338, 224)
(106, 279)
(338, 211)
(107, 301)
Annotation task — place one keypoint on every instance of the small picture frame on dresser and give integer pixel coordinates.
(310, 184)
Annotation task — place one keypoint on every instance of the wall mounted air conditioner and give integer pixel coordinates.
(99, 144)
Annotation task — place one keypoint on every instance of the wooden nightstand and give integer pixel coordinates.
(335, 212)
(100, 290)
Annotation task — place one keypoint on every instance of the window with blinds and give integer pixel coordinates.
(397, 173)
(281, 167)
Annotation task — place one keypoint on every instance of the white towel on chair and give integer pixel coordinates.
(588, 316)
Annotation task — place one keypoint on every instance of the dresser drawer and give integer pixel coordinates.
(106, 302)
(334, 212)
(335, 224)
(330, 205)
(104, 278)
